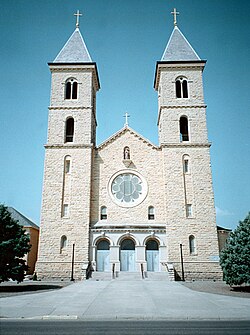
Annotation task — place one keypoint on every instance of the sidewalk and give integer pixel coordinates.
(137, 300)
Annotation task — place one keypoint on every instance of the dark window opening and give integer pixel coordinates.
(184, 129)
(69, 130)
(152, 245)
(68, 90)
(103, 245)
(74, 93)
(178, 88)
(185, 89)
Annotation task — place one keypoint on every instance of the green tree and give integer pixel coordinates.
(14, 244)
(235, 257)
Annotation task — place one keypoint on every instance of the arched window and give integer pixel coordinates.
(184, 129)
(69, 133)
(67, 164)
(126, 153)
(181, 88)
(63, 243)
(192, 245)
(152, 245)
(71, 88)
(104, 215)
(151, 213)
(186, 165)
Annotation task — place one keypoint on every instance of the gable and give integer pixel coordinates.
(128, 131)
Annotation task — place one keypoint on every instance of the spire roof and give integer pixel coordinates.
(178, 48)
(74, 51)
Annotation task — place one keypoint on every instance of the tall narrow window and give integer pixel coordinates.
(186, 164)
(65, 213)
(151, 213)
(71, 87)
(69, 134)
(74, 91)
(184, 136)
(67, 164)
(181, 88)
(104, 215)
(68, 90)
(192, 245)
(189, 210)
(63, 243)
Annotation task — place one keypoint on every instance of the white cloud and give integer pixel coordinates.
(223, 212)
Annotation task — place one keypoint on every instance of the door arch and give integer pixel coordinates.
(127, 255)
(102, 256)
(152, 255)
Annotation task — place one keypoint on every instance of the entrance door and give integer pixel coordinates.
(127, 257)
(152, 256)
(102, 259)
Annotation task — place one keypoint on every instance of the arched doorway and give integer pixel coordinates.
(152, 255)
(127, 255)
(102, 256)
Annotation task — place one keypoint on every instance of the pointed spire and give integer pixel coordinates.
(178, 48)
(74, 50)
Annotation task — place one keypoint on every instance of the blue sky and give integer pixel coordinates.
(125, 38)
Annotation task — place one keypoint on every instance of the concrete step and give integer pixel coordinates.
(157, 276)
(97, 275)
(128, 276)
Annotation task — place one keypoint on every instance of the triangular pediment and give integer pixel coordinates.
(121, 132)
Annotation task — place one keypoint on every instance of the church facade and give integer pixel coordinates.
(128, 205)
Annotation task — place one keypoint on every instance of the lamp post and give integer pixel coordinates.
(182, 266)
(72, 262)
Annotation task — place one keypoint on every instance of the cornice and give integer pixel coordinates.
(67, 146)
(186, 145)
(183, 106)
(68, 107)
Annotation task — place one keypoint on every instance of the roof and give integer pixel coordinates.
(178, 48)
(22, 220)
(74, 51)
(221, 228)
(123, 130)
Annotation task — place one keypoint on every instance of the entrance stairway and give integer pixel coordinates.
(130, 276)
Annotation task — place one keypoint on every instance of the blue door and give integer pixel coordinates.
(127, 255)
(152, 256)
(102, 257)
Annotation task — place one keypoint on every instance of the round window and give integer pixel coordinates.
(128, 189)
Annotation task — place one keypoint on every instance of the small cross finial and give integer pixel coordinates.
(126, 119)
(175, 13)
(78, 14)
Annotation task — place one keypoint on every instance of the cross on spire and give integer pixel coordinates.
(78, 14)
(175, 13)
(126, 119)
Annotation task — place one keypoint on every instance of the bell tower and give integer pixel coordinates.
(183, 138)
(65, 213)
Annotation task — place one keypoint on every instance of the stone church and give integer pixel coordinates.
(128, 205)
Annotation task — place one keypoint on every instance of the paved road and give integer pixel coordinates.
(125, 328)
(135, 300)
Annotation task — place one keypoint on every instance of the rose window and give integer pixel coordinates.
(128, 189)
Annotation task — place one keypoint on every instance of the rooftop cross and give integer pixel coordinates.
(78, 14)
(175, 13)
(126, 118)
